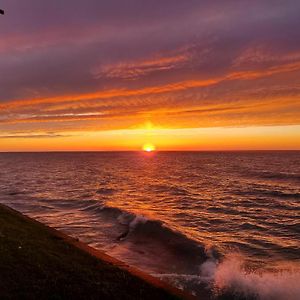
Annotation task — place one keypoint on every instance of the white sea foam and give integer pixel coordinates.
(139, 219)
(132, 220)
(232, 276)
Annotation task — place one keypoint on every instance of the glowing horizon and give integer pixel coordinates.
(188, 139)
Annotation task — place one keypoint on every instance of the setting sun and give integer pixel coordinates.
(149, 147)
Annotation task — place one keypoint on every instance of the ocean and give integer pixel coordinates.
(207, 222)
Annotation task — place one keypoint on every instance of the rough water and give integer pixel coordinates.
(208, 222)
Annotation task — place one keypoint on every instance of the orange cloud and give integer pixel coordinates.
(172, 87)
(141, 68)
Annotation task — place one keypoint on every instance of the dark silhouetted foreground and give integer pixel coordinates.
(38, 263)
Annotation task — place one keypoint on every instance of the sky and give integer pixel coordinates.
(182, 75)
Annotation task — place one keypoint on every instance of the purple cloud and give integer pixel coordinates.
(248, 52)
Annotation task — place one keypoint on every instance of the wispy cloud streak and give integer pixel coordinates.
(69, 65)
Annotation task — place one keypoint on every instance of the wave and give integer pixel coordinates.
(231, 276)
(140, 228)
(230, 279)
(169, 189)
(15, 193)
(137, 229)
(267, 192)
(277, 175)
(105, 191)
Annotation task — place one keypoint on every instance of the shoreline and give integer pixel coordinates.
(160, 289)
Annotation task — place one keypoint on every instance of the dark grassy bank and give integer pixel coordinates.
(40, 263)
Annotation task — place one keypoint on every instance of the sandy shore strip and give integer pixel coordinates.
(37, 261)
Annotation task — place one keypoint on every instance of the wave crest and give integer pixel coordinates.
(231, 277)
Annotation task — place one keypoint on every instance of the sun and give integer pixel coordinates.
(149, 147)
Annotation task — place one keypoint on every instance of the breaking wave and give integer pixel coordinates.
(139, 227)
(216, 276)
(232, 276)
(230, 279)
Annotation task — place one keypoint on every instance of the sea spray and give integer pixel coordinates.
(232, 276)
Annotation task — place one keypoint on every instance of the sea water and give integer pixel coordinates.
(206, 222)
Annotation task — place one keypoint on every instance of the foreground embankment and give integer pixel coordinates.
(38, 262)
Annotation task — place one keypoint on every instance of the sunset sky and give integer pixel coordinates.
(118, 74)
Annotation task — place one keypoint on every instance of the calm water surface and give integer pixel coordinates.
(216, 220)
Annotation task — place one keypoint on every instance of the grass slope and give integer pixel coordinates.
(37, 264)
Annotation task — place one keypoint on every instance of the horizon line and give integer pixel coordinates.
(95, 151)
